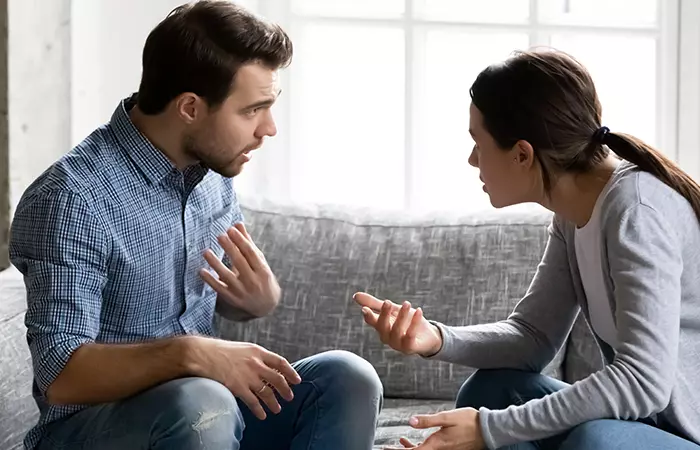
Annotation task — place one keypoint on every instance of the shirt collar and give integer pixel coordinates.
(152, 163)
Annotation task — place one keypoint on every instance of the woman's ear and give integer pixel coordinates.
(523, 154)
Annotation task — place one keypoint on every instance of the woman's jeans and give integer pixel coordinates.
(498, 389)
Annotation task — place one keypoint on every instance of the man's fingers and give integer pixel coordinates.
(246, 248)
(225, 274)
(250, 399)
(431, 420)
(231, 293)
(245, 271)
(278, 382)
(282, 365)
(371, 302)
(241, 227)
(265, 393)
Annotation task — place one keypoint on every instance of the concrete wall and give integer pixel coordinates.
(4, 143)
(39, 87)
(35, 117)
(106, 55)
(108, 38)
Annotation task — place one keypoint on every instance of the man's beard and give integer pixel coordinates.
(197, 152)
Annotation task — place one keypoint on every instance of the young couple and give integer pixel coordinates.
(118, 240)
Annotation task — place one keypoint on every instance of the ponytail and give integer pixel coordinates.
(650, 160)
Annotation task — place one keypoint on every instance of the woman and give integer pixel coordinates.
(624, 248)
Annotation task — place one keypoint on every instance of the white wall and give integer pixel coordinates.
(108, 38)
(107, 42)
(39, 88)
(689, 86)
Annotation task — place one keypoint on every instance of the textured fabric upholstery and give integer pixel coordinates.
(461, 269)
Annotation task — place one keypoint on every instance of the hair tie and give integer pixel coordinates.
(599, 135)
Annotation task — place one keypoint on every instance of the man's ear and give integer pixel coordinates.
(189, 107)
(523, 154)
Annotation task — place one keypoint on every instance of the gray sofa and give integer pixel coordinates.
(463, 269)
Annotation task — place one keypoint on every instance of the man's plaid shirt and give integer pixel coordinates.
(110, 240)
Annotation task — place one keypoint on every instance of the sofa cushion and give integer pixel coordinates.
(461, 269)
(18, 412)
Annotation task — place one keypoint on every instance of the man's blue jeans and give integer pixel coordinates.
(335, 407)
(498, 389)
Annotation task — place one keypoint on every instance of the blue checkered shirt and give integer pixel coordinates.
(110, 240)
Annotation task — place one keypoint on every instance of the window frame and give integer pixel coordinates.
(677, 78)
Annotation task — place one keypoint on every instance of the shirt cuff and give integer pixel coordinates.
(486, 433)
(54, 357)
(446, 341)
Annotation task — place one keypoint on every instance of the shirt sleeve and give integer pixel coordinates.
(645, 267)
(61, 249)
(536, 329)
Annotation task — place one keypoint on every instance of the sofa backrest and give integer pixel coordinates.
(462, 270)
(18, 412)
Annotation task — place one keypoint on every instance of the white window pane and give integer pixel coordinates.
(349, 8)
(453, 59)
(624, 72)
(348, 115)
(632, 13)
(492, 11)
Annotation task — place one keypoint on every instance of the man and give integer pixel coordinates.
(117, 241)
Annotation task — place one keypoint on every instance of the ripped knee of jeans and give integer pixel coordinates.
(207, 419)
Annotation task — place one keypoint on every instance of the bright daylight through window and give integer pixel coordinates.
(375, 105)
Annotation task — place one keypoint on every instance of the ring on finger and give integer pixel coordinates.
(266, 384)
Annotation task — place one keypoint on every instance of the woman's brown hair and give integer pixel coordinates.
(548, 99)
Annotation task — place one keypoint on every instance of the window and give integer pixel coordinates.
(375, 105)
